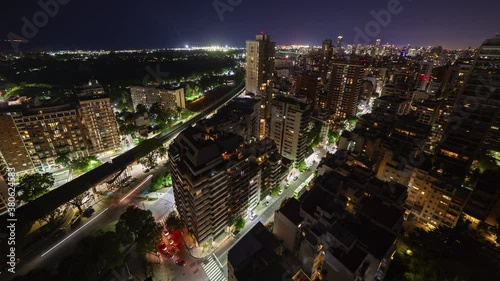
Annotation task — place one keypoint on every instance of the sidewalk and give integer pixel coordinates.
(200, 252)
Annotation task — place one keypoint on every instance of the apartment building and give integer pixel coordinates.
(40, 135)
(289, 122)
(214, 181)
(40, 131)
(345, 89)
(435, 201)
(260, 66)
(241, 117)
(167, 97)
(99, 122)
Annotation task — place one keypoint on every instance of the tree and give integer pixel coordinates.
(63, 160)
(130, 223)
(174, 222)
(148, 236)
(185, 114)
(275, 190)
(302, 166)
(149, 151)
(313, 138)
(161, 181)
(141, 108)
(333, 136)
(78, 202)
(156, 109)
(85, 164)
(239, 223)
(33, 186)
(136, 225)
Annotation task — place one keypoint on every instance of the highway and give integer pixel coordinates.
(48, 252)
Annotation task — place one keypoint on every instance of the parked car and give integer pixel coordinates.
(166, 232)
(236, 232)
(88, 212)
(281, 192)
(267, 203)
(181, 262)
(163, 248)
(169, 254)
(253, 216)
(175, 250)
(76, 221)
(60, 232)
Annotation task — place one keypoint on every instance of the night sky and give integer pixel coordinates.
(132, 24)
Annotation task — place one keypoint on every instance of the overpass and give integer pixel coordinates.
(47, 203)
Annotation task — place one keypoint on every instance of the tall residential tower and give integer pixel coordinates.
(259, 74)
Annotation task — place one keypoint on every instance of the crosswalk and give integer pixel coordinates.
(163, 220)
(214, 272)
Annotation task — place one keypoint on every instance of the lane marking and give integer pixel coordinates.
(73, 233)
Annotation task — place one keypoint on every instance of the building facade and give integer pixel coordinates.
(344, 89)
(289, 122)
(213, 181)
(168, 98)
(435, 202)
(259, 74)
(474, 126)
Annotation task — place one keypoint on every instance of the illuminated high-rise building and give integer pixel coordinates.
(474, 127)
(344, 89)
(289, 120)
(326, 57)
(339, 45)
(215, 180)
(259, 74)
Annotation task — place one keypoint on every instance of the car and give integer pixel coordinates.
(147, 171)
(296, 178)
(175, 250)
(169, 254)
(163, 247)
(60, 232)
(171, 242)
(75, 221)
(166, 232)
(88, 212)
(253, 216)
(281, 192)
(267, 203)
(181, 262)
(236, 232)
(133, 180)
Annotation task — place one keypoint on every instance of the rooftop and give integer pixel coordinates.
(377, 240)
(291, 210)
(381, 212)
(257, 243)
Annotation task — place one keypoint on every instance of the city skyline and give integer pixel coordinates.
(235, 140)
(84, 25)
